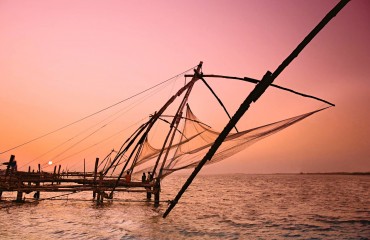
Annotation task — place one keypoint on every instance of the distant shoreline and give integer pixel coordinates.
(336, 173)
(317, 173)
(2, 171)
(301, 173)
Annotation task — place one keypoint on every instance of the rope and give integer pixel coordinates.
(73, 145)
(52, 198)
(109, 122)
(78, 134)
(95, 113)
(39, 200)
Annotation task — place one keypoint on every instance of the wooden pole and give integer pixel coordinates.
(100, 197)
(9, 165)
(149, 189)
(59, 173)
(19, 192)
(149, 125)
(37, 194)
(253, 97)
(29, 171)
(84, 171)
(19, 196)
(54, 174)
(218, 99)
(255, 81)
(175, 123)
(95, 175)
(157, 190)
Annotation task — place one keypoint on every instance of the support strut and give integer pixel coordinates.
(260, 88)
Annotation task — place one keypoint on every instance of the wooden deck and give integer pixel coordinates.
(100, 186)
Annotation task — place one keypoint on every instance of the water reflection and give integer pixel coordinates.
(214, 207)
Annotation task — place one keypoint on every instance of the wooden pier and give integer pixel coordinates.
(102, 187)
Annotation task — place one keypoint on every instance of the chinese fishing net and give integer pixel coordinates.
(197, 138)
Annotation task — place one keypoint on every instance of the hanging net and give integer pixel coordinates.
(197, 138)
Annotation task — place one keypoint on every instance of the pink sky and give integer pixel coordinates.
(62, 60)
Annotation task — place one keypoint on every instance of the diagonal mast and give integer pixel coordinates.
(260, 88)
(145, 129)
(255, 81)
(175, 123)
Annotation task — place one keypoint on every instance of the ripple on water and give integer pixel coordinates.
(214, 207)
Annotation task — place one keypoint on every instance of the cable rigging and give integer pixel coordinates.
(127, 109)
(95, 113)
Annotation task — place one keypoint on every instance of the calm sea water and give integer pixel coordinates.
(214, 207)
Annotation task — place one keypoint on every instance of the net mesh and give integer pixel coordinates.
(197, 138)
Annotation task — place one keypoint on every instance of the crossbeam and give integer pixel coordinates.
(255, 81)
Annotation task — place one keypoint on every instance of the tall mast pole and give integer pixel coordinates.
(147, 127)
(175, 123)
(260, 88)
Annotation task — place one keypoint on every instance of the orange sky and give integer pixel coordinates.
(63, 60)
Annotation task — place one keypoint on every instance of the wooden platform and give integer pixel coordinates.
(100, 186)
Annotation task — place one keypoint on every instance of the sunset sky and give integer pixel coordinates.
(63, 60)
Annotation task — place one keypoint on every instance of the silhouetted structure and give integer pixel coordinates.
(198, 144)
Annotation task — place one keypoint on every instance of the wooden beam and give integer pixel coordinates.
(255, 81)
(260, 88)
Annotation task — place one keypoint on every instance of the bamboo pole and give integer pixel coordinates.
(255, 81)
(253, 97)
(150, 124)
(176, 121)
(215, 95)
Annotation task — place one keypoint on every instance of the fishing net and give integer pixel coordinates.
(197, 138)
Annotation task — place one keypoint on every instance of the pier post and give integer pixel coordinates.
(84, 171)
(157, 190)
(9, 164)
(54, 175)
(37, 194)
(100, 197)
(29, 173)
(95, 173)
(59, 174)
(19, 193)
(19, 196)
(149, 189)
(100, 193)
(148, 193)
